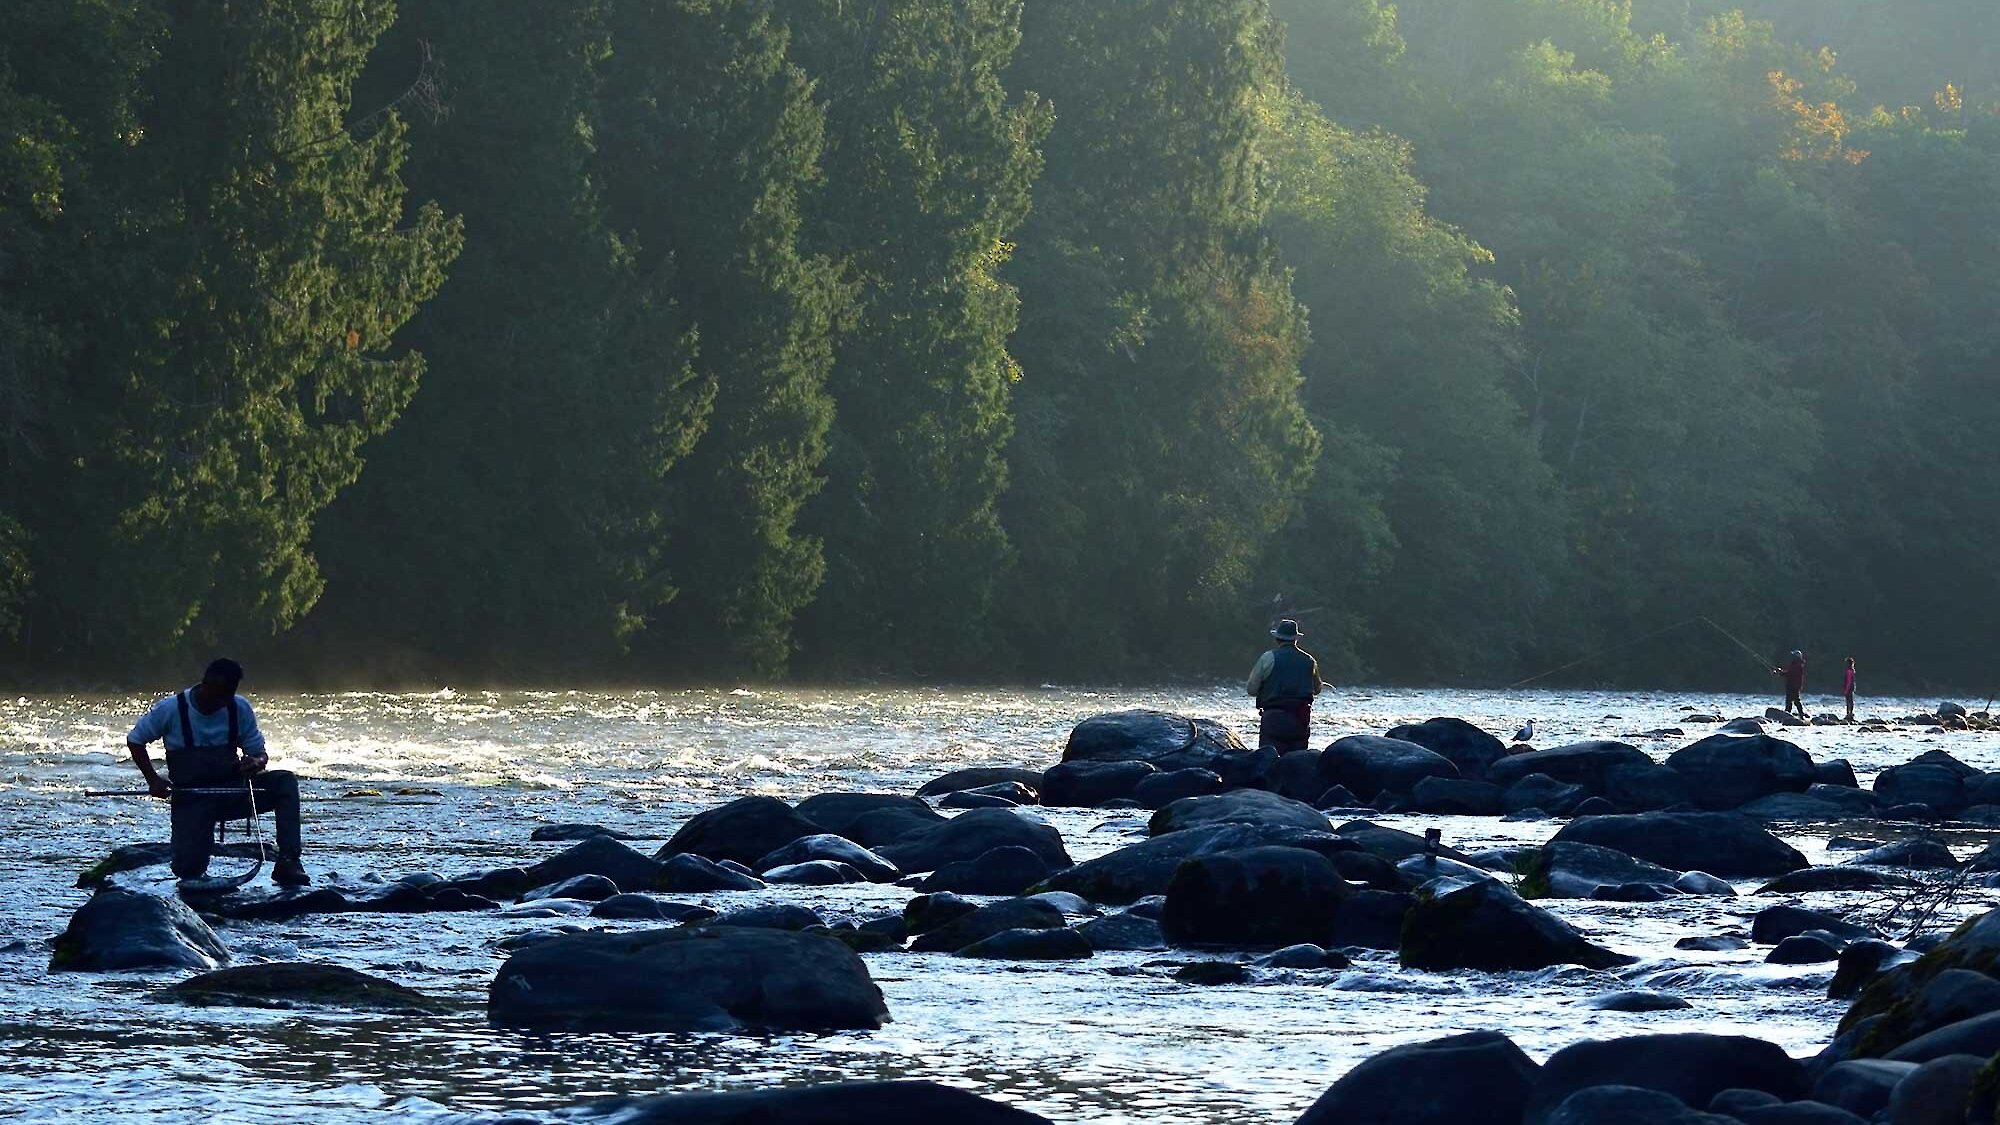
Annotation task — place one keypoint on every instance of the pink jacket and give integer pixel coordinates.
(1847, 683)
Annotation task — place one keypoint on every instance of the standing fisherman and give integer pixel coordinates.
(1847, 688)
(1794, 673)
(202, 728)
(1285, 681)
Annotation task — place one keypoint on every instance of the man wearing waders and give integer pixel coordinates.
(202, 728)
(1794, 673)
(1285, 680)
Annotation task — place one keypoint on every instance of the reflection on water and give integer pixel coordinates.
(1109, 1039)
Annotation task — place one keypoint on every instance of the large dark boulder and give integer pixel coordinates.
(1123, 932)
(1914, 853)
(1540, 791)
(1164, 741)
(1087, 784)
(1723, 844)
(299, 984)
(1254, 898)
(1392, 844)
(972, 834)
(1638, 788)
(1923, 783)
(1302, 775)
(1456, 797)
(1008, 870)
(1240, 806)
(1566, 869)
(1031, 945)
(1692, 1067)
(1484, 925)
(574, 831)
(120, 929)
(1724, 771)
(832, 1103)
(1631, 1105)
(686, 874)
(745, 830)
(598, 855)
(1368, 764)
(1479, 1078)
(703, 978)
(1580, 763)
(986, 921)
(1979, 1035)
(1159, 790)
(1467, 747)
(835, 813)
(839, 849)
(1372, 919)
(978, 777)
(1861, 1086)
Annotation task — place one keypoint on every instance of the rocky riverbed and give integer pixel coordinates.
(1165, 928)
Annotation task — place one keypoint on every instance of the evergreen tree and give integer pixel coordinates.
(934, 161)
(718, 142)
(1160, 439)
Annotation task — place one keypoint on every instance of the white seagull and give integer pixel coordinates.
(1526, 733)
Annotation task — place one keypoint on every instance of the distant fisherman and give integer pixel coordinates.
(202, 728)
(1794, 673)
(1847, 688)
(1285, 681)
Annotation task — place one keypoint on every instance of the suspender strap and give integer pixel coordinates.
(187, 726)
(233, 741)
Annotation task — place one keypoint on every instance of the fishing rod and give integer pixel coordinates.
(1698, 619)
(192, 790)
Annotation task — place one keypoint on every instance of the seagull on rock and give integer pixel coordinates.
(1526, 733)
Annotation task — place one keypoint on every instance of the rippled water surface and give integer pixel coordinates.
(1076, 1042)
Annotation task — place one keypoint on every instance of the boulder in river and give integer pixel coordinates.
(1476, 1078)
(1566, 869)
(1164, 741)
(1240, 806)
(1644, 788)
(1467, 747)
(1123, 931)
(1913, 853)
(1253, 898)
(745, 830)
(1159, 790)
(972, 834)
(986, 921)
(120, 929)
(652, 908)
(1541, 792)
(1484, 925)
(1631, 1105)
(1922, 783)
(1774, 924)
(597, 855)
(978, 777)
(1580, 763)
(1392, 844)
(837, 848)
(1088, 783)
(836, 813)
(1049, 944)
(1726, 845)
(1370, 765)
(704, 978)
(1456, 797)
(131, 857)
(1007, 870)
(583, 888)
(576, 832)
(814, 873)
(691, 874)
(827, 1103)
(299, 984)
(1693, 1067)
(1724, 771)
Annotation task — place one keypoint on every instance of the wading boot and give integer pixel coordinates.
(289, 872)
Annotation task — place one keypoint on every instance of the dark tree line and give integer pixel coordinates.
(984, 339)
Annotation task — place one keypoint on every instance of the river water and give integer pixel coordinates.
(453, 781)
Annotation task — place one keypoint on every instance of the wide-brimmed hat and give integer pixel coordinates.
(1287, 630)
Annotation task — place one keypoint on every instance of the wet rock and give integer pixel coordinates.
(500, 882)
(1212, 973)
(1162, 789)
(1581, 763)
(1124, 931)
(1302, 775)
(1594, 806)
(814, 873)
(1833, 879)
(1456, 797)
(1922, 783)
(830, 847)
(1242, 806)
(1337, 797)
(1724, 844)
(1012, 792)
(706, 978)
(1950, 998)
(1915, 812)
(1305, 955)
(984, 922)
(836, 814)
(1800, 1113)
(1838, 773)
(1637, 788)
(1479, 1078)
(1731, 1103)
(1979, 1035)
(1635, 892)
(1803, 949)
(120, 929)
(1483, 925)
(576, 832)
(884, 827)
(975, 800)
(1002, 871)
(771, 916)
(651, 907)
(1630, 1105)
(1563, 869)
(1087, 784)
(1914, 853)
(598, 855)
(1420, 869)
(1860, 963)
(1713, 943)
(1782, 717)
(1636, 1000)
(1253, 898)
(1031, 945)
(585, 888)
(131, 857)
(1774, 924)
(1798, 808)
(928, 912)
(299, 984)
(1370, 765)
(978, 777)
(1467, 747)
(745, 830)
(1936, 1092)
(970, 835)
(1702, 883)
(1372, 919)
(1134, 871)
(691, 874)
(1692, 1067)
(831, 1103)
(1726, 770)
(1861, 1086)
(1539, 791)
(1166, 742)
(1392, 844)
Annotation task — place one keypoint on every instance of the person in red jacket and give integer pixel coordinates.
(1794, 673)
(1847, 688)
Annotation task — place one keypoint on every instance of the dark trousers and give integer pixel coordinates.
(1793, 701)
(1285, 727)
(195, 815)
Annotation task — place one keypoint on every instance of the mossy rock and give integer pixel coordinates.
(131, 857)
(1888, 995)
(1532, 874)
(299, 984)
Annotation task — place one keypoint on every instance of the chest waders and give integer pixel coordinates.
(211, 767)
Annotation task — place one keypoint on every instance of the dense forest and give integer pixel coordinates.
(685, 341)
